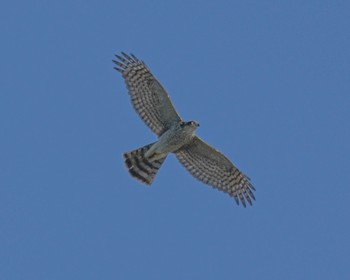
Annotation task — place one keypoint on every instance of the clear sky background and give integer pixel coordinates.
(269, 82)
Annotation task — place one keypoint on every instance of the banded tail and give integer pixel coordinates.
(140, 167)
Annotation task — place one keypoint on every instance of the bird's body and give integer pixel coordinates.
(178, 135)
(154, 106)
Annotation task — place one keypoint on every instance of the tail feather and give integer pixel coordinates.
(140, 167)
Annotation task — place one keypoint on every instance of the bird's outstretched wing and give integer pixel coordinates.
(211, 167)
(148, 97)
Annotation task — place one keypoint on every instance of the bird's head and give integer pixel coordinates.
(190, 124)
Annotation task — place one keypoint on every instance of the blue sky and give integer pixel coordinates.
(267, 80)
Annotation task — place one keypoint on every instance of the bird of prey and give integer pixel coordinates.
(153, 104)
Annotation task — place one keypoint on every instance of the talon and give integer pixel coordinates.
(151, 156)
